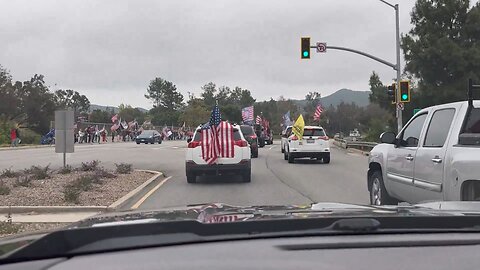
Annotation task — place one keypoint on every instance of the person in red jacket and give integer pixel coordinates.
(13, 137)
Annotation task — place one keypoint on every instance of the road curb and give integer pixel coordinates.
(50, 209)
(77, 209)
(134, 192)
(25, 147)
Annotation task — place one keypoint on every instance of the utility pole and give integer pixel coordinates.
(397, 66)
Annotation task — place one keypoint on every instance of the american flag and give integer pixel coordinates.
(209, 137)
(114, 118)
(318, 112)
(247, 114)
(258, 121)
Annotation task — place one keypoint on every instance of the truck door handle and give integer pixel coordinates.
(409, 157)
(437, 159)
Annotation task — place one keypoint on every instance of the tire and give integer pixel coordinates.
(326, 160)
(283, 150)
(247, 176)
(255, 154)
(285, 155)
(160, 142)
(291, 159)
(191, 178)
(378, 192)
(138, 142)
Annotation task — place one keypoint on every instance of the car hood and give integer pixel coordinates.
(223, 213)
(220, 212)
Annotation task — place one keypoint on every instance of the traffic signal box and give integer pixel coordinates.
(305, 48)
(404, 91)
(392, 93)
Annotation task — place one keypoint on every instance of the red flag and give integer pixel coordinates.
(114, 118)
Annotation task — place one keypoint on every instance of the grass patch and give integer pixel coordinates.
(23, 181)
(4, 189)
(39, 172)
(9, 173)
(89, 166)
(66, 170)
(124, 168)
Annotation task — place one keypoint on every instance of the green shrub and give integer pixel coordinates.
(102, 173)
(9, 173)
(29, 136)
(39, 172)
(84, 182)
(89, 166)
(23, 181)
(71, 194)
(123, 168)
(4, 189)
(65, 170)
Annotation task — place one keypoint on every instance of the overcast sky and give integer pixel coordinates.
(110, 50)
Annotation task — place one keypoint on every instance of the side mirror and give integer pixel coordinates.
(388, 137)
(189, 140)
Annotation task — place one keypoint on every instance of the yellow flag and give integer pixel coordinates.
(297, 128)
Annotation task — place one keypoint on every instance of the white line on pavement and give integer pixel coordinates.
(145, 197)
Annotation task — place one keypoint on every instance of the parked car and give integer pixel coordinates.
(195, 165)
(149, 136)
(285, 134)
(251, 138)
(436, 156)
(314, 144)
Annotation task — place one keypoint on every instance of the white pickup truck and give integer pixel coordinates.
(436, 156)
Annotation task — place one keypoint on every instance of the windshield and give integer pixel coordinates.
(301, 103)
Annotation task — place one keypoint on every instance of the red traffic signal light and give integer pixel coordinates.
(405, 91)
(305, 48)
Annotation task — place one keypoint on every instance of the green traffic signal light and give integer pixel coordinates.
(305, 47)
(404, 97)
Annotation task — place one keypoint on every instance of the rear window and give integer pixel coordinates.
(313, 132)
(247, 130)
(236, 135)
(473, 122)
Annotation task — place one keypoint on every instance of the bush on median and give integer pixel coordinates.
(89, 166)
(124, 168)
(9, 173)
(4, 189)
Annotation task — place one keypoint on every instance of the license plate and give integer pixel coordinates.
(310, 141)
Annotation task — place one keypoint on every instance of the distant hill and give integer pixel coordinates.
(115, 109)
(360, 98)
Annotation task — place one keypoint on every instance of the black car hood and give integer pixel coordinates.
(220, 213)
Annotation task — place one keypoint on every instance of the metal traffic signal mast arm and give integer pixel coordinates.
(394, 66)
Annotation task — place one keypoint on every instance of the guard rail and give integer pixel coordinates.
(364, 146)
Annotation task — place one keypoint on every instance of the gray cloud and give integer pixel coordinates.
(110, 50)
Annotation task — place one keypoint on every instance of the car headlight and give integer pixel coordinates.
(151, 137)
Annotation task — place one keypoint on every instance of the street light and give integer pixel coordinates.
(399, 112)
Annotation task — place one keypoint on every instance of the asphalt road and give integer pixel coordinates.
(274, 181)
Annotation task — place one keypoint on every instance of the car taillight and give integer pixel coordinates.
(294, 138)
(325, 138)
(241, 143)
(194, 144)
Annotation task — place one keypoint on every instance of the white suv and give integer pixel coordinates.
(314, 144)
(195, 165)
(285, 134)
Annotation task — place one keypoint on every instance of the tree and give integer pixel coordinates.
(99, 116)
(442, 49)
(72, 99)
(127, 113)
(164, 95)
(209, 94)
(313, 99)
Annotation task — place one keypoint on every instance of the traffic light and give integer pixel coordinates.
(392, 93)
(405, 91)
(305, 44)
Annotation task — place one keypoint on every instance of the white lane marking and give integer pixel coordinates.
(145, 197)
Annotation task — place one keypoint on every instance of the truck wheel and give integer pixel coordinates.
(378, 192)
(247, 176)
(191, 178)
(290, 158)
